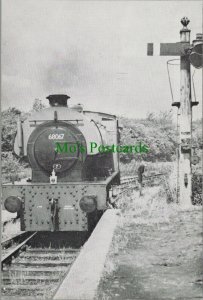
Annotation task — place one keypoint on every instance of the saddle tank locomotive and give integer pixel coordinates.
(70, 189)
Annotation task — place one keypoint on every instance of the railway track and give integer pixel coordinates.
(11, 247)
(131, 182)
(35, 272)
(32, 271)
(15, 239)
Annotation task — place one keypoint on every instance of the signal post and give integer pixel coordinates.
(189, 54)
(185, 143)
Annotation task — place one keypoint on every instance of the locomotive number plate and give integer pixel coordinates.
(56, 136)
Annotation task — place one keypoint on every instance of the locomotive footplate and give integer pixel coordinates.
(46, 207)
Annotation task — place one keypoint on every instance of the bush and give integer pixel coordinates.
(9, 122)
(156, 131)
(11, 167)
(197, 189)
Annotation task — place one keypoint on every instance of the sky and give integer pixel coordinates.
(95, 52)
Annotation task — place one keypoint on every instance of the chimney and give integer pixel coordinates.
(58, 100)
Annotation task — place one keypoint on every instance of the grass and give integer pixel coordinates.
(130, 169)
(151, 209)
(153, 234)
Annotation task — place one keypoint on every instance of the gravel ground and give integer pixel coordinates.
(156, 251)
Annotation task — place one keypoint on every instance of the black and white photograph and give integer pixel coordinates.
(101, 150)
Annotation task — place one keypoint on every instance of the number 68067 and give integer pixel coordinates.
(56, 136)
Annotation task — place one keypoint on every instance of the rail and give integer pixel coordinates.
(10, 254)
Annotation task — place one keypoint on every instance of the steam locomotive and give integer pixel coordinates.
(68, 190)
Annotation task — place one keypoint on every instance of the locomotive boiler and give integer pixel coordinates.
(69, 189)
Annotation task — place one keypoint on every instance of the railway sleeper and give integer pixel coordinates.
(35, 290)
(29, 280)
(46, 263)
(42, 250)
(38, 270)
(13, 297)
(9, 277)
(48, 255)
(30, 287)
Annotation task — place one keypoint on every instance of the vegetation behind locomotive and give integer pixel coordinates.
(84, 179)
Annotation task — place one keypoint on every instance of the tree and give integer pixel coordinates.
(38, 105)
(9, 127)
(9, 123)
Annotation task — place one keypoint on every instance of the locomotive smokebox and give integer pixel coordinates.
(58, 100)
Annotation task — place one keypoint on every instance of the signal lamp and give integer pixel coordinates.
(196, 55)
(88, 203)
(13, 204)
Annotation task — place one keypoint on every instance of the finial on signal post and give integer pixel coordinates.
(185, 32)
(185, 21)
